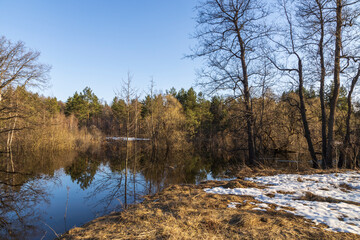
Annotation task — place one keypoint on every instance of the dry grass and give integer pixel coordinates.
(242, 172)
(345, 187)
(187, 212)
(313, 197)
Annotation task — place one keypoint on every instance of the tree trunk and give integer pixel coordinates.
(307, 133)
(322, 85)
(346, 143)
(335, 92)
(249, 114)
(135, 149)
(9, 144)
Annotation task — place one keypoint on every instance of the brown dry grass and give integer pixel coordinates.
(313, 197)
(262, 170)
(187, 212)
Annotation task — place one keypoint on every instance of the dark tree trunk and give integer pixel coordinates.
(307, 133)
(346, 143)
(322, 84)
(335, 91)
(249, 114)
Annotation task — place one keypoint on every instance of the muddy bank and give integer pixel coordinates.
(187, 212)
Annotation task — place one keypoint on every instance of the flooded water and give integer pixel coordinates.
(44, 195)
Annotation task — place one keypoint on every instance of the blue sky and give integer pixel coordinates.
(96, 42)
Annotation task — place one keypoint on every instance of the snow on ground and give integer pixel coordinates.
(285, 190)
(128, 139)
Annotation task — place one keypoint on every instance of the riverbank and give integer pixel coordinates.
(188, 212)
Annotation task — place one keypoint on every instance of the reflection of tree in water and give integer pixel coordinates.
(101, 174)
(168, 168)
(111, 183)
(83, 169)
(149, 172)
(20, 193)
(24, 191)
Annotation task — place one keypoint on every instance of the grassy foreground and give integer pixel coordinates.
(187, 212)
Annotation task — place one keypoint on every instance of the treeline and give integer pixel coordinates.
(217, 126)
(33, 123)
(175, 120)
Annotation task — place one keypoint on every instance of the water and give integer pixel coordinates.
(48, 194)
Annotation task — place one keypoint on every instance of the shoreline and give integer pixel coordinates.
(188, 212)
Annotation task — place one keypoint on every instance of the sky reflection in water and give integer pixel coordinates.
(85, 186)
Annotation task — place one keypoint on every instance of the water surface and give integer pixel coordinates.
(47, 194)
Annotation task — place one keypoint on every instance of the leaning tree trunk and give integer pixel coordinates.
(346, 143)
(307, 132)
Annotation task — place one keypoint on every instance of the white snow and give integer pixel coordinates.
(261, 206)
(233, 204)
(127, 139)
(288, 188)
(259, 209)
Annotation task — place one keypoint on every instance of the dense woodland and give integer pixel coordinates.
(277, 80)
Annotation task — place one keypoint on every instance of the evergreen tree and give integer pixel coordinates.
(84, 106)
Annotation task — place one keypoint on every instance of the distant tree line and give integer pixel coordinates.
(218, 125)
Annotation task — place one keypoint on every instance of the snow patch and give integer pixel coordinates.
(287, 189)
(259, 209)
(127, 139)
(233, 204)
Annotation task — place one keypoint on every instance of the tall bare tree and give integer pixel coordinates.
(290, 45)
(335, 90)
(20, 65)
(346, 17)
(315, 19)
(229, 34)
(127, 93)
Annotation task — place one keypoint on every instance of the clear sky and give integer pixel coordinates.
(96, 42)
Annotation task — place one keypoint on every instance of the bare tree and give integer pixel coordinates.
(152, 125)
(19, 65)
(347, 13)
(335, 91)
(290, 45)
(230, 33)
(128, 92)
(315, 19)
(347, 142)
